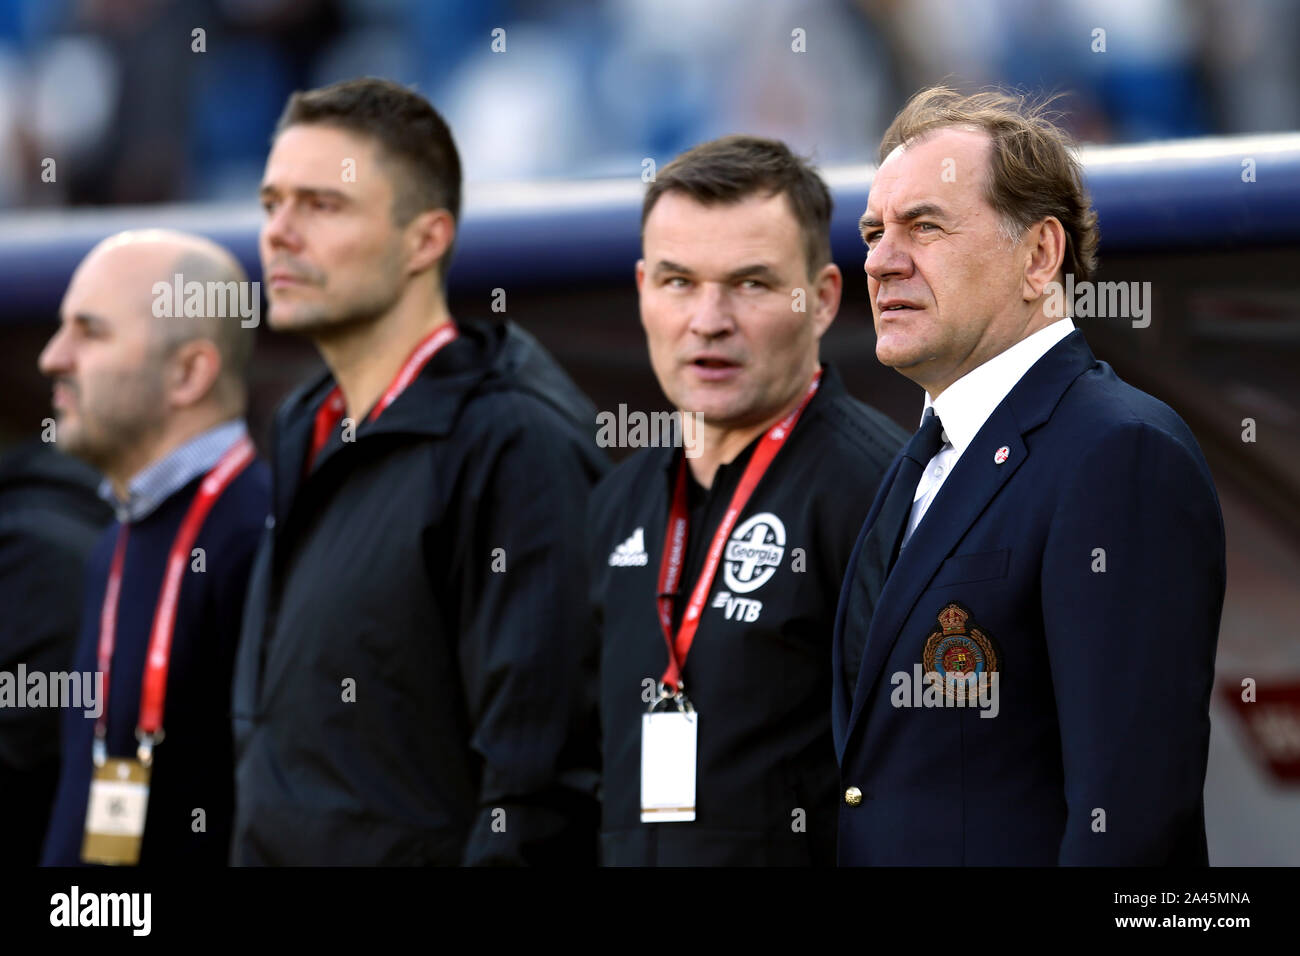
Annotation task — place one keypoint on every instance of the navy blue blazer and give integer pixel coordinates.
(1077, 546)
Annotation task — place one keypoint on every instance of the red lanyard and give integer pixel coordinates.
(153, 688)
(670, 569)
(330, 412)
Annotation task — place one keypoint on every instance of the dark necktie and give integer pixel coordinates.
(881, 544)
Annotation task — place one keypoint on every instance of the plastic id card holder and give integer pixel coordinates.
(668, 749)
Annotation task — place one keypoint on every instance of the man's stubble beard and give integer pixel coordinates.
(119, 430)
(331, 320)
(326, 321)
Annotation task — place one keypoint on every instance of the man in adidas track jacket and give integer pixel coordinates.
(732, 546)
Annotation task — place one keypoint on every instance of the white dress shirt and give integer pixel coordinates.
(965, 405)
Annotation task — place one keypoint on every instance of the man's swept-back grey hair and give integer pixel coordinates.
(1033, 170)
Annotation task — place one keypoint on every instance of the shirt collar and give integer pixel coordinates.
(159, 481)
(966, 404)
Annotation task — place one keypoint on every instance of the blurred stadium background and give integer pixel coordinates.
(147, 130)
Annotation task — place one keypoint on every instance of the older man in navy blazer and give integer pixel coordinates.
(1030, 685)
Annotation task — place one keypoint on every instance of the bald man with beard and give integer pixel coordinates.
(154, 400)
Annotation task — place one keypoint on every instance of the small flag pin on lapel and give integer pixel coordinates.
(1001, 455)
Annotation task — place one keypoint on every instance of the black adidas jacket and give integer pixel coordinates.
(759, 671)
(412, 684)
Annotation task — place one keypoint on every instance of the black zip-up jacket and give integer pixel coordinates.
(50, 518)
(413, 683)
(759, 670)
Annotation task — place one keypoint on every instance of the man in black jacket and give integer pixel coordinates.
(731, 549)
(50, 517)
(412, 685)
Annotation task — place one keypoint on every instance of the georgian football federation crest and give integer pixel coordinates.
(753, 553)
(959, 648)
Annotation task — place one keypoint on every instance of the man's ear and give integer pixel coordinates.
(640, 276)
(192, 372)
(824, 297)
(428, 237)
(1046, 247)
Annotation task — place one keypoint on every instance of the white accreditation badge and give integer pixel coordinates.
(668, 749)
